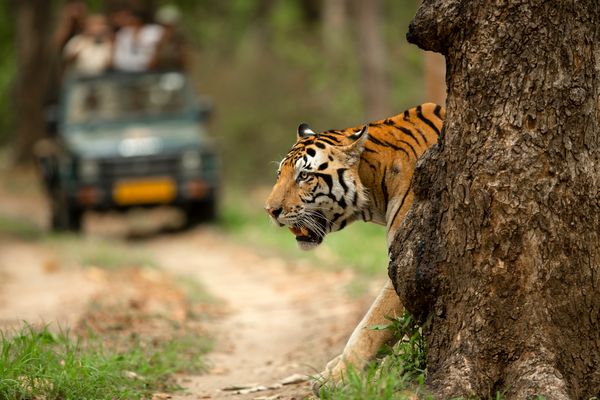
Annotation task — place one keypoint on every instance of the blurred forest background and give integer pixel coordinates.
(267, 64)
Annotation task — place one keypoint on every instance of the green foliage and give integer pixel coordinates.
(410, 351)
(37, 363)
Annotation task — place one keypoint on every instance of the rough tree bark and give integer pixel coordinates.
(500, 255)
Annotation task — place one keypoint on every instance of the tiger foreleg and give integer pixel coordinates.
(365, 342)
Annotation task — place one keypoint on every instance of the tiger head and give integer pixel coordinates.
(318, 188)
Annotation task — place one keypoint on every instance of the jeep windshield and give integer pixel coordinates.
(127, 97)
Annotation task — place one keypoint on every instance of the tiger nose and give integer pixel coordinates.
(274, 212)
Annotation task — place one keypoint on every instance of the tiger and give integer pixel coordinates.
(330, 179)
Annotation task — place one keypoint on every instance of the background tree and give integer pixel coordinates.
(334, 27)
(501, 252)
(372, 58)
(249, 56)
(7, 70)
(33, 48)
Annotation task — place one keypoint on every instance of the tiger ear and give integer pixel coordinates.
(304, 131)
(355, 149)
(361, 134)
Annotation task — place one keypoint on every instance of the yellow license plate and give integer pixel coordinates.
(144, 191)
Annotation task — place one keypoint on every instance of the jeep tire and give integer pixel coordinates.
(201, 212)
(65, 215)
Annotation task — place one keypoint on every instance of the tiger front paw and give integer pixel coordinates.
(334, 372)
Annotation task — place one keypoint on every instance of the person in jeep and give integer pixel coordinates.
(90, 52)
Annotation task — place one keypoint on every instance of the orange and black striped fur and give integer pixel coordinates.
(332, 178)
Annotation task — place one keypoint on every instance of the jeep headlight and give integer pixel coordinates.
(191, 161)
(88, 169)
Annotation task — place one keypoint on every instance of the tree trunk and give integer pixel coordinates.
(372, 58)
(500, 255)
(333, 29)
(33, 23)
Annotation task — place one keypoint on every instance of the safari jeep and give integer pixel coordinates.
(128, 140)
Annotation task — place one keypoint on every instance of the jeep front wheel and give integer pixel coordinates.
(66, 216)
(201, 212)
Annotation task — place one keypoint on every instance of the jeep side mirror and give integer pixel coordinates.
(204, 112)
(204, 108)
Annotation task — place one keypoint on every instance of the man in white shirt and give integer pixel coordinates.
(90, 52)
(135, 44)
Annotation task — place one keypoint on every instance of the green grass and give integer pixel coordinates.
(361, 246)
(39, 364)
(376, 383)
(20, 228)
(398, 374)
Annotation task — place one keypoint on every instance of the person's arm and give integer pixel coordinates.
(72, 49)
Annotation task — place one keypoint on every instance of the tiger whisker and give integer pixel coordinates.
(313, 225)
(316, 213)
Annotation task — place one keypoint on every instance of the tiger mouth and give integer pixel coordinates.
(307, 235)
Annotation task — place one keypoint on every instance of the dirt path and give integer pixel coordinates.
(283, 318)
(35, 289)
